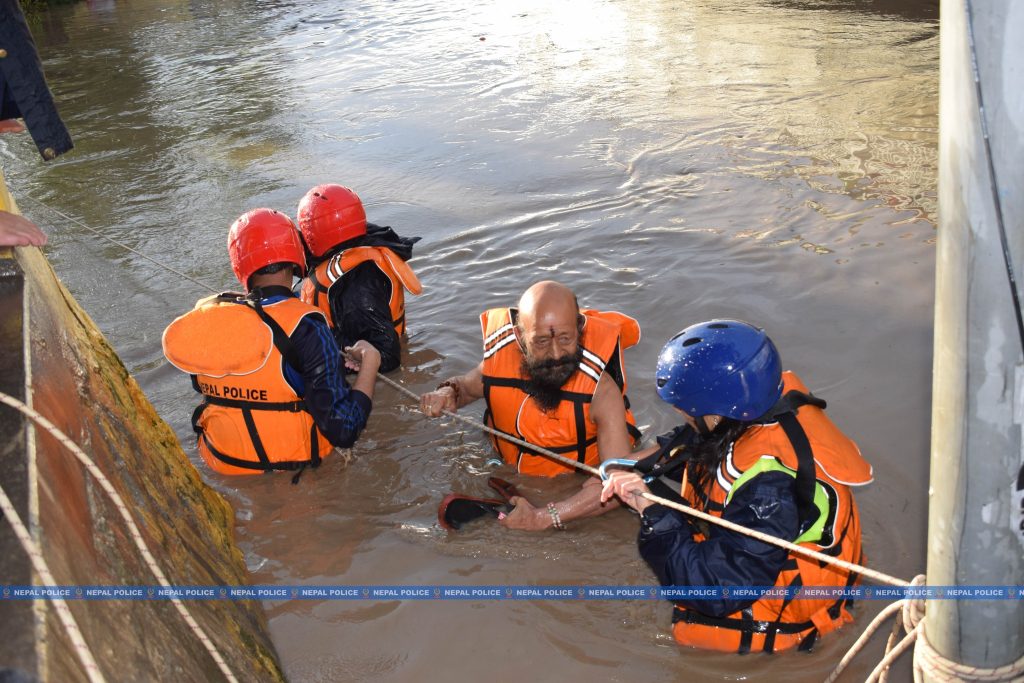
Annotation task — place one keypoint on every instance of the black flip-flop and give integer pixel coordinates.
(457, 510)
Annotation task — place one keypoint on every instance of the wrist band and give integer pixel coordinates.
(456, 391)
(556, 520)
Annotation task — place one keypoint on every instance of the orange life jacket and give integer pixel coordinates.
(317, 285)
(250, 420)
(567, 429)
(778, 624)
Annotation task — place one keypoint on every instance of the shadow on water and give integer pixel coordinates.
(911, 10)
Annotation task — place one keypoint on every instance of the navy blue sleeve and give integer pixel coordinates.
(23, 89)
(339, 412)
(361, 310)
(766, 503)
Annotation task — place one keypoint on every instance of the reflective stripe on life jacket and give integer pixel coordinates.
(832, 526)
(568, 429)
(251, 420)
(317, 285)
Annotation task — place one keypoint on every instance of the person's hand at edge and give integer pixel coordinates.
(18, 231)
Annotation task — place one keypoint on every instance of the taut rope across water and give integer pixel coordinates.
(911, 611)
(877, 576)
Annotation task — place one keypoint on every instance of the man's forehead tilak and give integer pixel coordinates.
(552, 332)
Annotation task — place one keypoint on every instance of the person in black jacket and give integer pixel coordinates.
(24, 94)
(23, 90)
(358, 272)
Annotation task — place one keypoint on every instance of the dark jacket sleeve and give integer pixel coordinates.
(766, 504)
(360, 308)
(339, 412)
(23, 89)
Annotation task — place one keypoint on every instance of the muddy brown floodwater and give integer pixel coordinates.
(771, 160)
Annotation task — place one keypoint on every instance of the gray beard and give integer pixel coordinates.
(544, 379)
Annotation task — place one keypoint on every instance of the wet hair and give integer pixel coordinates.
(275, 268)
(272, 268)
(708, 452)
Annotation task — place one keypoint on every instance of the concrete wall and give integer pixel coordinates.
(974, 523)
(77, 381)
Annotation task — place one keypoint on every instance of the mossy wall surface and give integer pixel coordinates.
(79, 383)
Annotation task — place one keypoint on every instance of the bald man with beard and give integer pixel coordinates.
(552, 375)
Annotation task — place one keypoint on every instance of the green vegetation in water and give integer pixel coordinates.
(33, 9)
(37, 5)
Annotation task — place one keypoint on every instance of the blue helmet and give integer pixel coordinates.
(720, 367)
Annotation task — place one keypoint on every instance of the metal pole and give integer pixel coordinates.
(974, 521)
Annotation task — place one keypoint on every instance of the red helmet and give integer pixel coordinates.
(261, 237)
(330, 215)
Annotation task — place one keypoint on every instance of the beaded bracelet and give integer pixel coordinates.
(556, 519)
(456, 391)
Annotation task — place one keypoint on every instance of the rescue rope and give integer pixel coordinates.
(910, 616)
(898, 608)
(928, 660)
(865, 572)
(766, 538)
(133, 529)
(67, 619)
(121, 244)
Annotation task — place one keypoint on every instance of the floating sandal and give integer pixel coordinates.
(457, 510)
